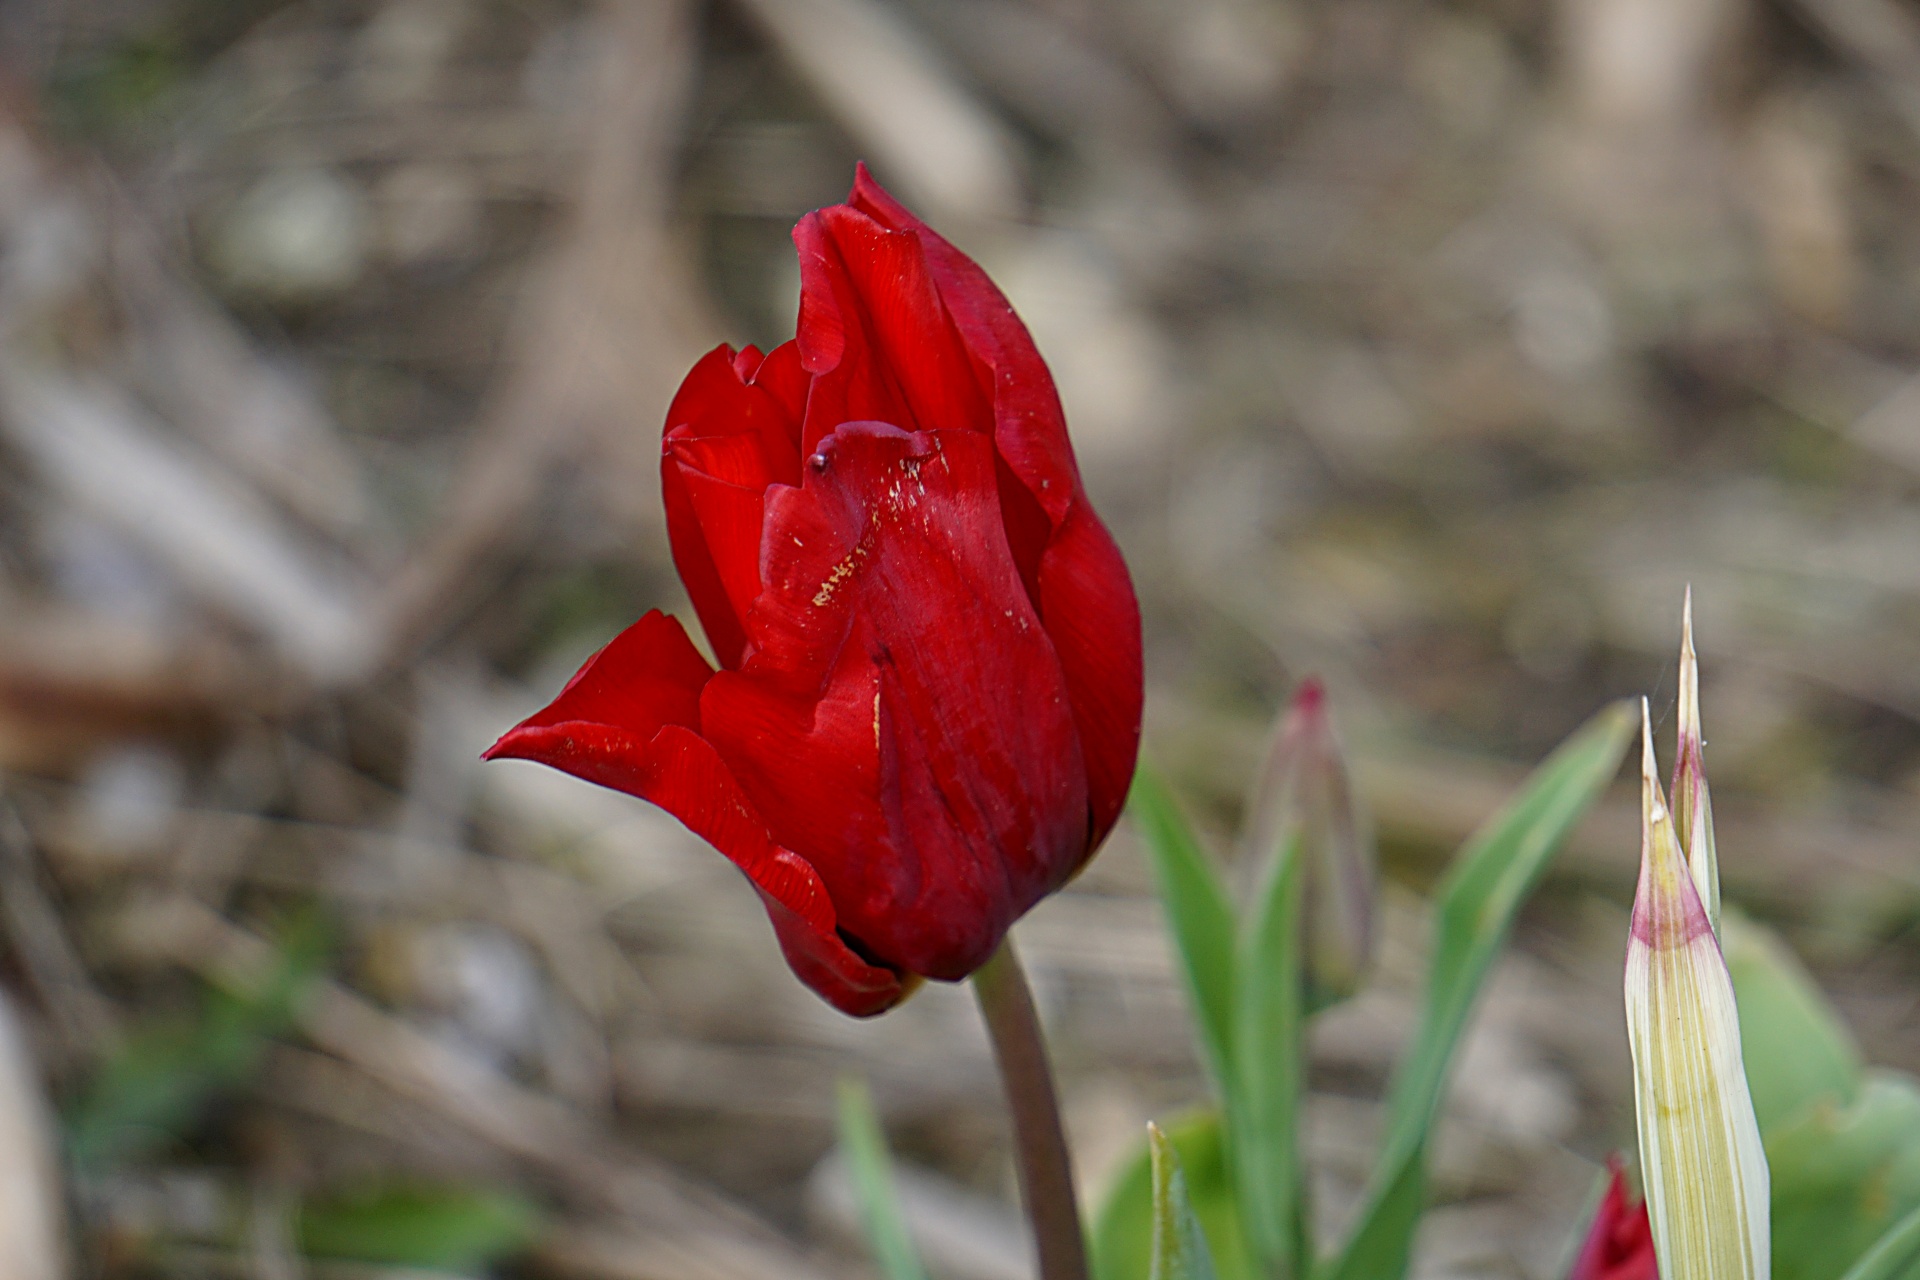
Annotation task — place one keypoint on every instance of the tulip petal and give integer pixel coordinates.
(872, 719)
(783, 377)
(645, 678)
(1088, 606)
(1700, 1150)
(698, 572)
(875, 333)
(1029, 426)
(627, 720)
(761, 399)
(1084, 595)
(1619, 1244)
(822, 960)
(720, 483)
(734, 422)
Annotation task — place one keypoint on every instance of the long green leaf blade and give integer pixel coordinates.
(1198, 914)
(435, 1228)
(1478, 900)
(1796, 1048)
(864, 1148)
(1179, 1247)
(1263, 1111)
(1893, 1256)
(1843, 1175)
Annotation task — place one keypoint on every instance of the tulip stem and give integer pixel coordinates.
(1046, 1173)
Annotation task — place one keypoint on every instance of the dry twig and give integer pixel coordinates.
(530, 1126)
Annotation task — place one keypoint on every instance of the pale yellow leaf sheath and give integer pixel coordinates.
(1700, 1152)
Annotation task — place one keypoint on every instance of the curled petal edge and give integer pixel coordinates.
(682, 773)
(649, 681)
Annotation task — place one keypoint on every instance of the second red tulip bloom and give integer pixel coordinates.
(1619, 1245)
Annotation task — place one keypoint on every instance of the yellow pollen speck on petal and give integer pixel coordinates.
(841, 572)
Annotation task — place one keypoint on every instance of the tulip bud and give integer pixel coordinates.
(1693, 811)
(1700, 1152)
(1619, 1244)
(1305, 804)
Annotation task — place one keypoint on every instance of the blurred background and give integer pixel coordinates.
(1433, 346)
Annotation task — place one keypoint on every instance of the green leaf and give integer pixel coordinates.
(1489, 880)
(1123, 1229)
(1179, 1248)
(459, 1229)
(166, 1074)
(864, 1147)
(121, 85)
(1895, 1256)
(1794, 1045)
(1198, 914)
(1843, 1175)
(1263, 1107)
(1382, 1241)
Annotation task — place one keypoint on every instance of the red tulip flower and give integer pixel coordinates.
(1619, 1245)
(927, 704)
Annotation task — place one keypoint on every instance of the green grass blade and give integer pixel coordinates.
(1894, 1256)
(1382, 1242)
(1263, 1112)
(1179, 1248)
(1477, 902)
(1123, 1229)
(433, 1228)
(169, 1074)
(864, 1147)
(1198, 914)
